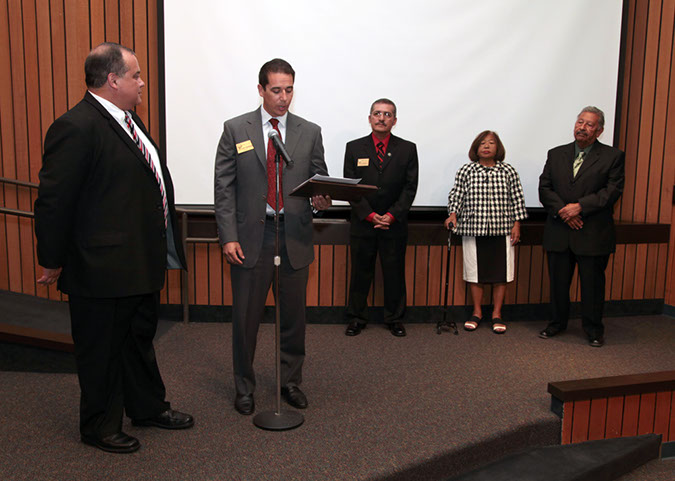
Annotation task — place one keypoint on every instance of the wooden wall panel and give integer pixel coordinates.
(215, 284)
(619, 416)
(326, 276)
(631, 411)
(614, 417)
(340, 275)
(662, 414)
(580, 421)
(42, 51)
(597, 419)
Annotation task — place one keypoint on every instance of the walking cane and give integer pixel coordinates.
(445, 324)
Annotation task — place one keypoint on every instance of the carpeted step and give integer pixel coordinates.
(601, 460)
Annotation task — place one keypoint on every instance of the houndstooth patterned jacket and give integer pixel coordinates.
(486, 200)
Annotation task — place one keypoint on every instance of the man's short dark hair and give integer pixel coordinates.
(276, 65)
(104, 59)
(383, 101)
(473, 151)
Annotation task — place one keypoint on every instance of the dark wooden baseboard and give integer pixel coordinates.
(36, 337)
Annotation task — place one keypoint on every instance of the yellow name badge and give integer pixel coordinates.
(244, 147)
(362, 162)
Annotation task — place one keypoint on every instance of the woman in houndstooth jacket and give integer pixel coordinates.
(485, 207)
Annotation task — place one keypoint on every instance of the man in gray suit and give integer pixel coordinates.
(245, 205)
(579, 186)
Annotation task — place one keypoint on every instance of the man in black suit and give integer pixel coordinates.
(245, 204)
(579, 186)
(106, 230)
(379, 221)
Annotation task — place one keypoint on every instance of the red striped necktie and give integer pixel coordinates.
(151, 164)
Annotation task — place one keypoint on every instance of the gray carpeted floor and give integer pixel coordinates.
(425, 406)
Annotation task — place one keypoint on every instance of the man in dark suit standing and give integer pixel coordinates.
(106, 230)
(245, 205)
(379, 221)
(579, 186)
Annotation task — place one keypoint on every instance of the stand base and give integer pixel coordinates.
(446, 325)
(281, 421)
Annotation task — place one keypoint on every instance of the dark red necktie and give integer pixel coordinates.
(271, 180)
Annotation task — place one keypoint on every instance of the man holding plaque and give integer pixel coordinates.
(245, 205)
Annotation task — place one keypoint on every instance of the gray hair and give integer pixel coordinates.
(383, 101)
(594, 110)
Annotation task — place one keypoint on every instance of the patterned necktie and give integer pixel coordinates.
(151, 164)
(380, 152)
(577, 163)
(271, 179)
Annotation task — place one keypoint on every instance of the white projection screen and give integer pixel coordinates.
(523, 68)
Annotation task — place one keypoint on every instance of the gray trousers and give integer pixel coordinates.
(249, 292)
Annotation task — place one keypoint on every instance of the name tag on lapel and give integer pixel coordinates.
(244, 147)
(362, 162)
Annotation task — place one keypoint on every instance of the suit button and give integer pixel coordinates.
(262, 221)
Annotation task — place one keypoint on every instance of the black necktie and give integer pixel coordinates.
(380, 152)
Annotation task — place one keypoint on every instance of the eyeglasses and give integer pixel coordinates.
(377, 113)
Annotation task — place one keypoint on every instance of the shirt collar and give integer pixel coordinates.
(117, 113)
(385, 141)
(266, 117)
(578, 149)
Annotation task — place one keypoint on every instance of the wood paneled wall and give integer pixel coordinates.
(43, 44)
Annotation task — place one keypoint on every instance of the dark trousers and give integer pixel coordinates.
(116, 364)
(364, 251)
(249, 292)
(592, 280)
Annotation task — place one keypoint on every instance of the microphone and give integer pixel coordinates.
(279, 145)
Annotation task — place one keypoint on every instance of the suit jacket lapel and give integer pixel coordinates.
(117, 128)
(369, 147)
(293, 133)
(254, 132)
(568, 154)
(391, 151)
(592, 157)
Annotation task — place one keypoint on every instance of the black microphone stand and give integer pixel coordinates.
(277, 420)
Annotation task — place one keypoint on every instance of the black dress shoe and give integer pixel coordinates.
(397, 329)
(596, 341)
(294, 396)
(115, 443)
(244, 404)
(354, 328)
(169, 419)
(549, 332)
